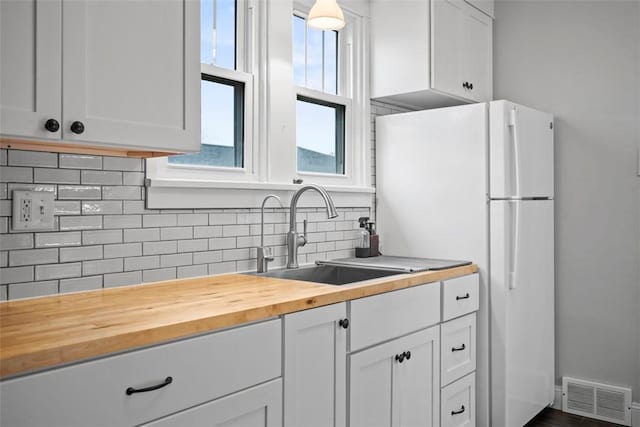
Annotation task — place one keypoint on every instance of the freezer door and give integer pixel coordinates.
(520, 151)
(522, 309)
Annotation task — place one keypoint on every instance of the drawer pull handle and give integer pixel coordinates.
(462, 347)
(344, 323)
(465, 296)
(458, 412)
(166, 382)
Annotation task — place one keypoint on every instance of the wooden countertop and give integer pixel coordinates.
(43, 332)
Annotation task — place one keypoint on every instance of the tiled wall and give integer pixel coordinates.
(104, 237)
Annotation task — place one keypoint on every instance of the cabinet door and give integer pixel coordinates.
(315, 367)
(386, 391)
(259, 406)
(30, 70)
(132, 73)
(478, 54)
(447, 46)
(417, 386)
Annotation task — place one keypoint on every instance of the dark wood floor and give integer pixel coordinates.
(554, 418)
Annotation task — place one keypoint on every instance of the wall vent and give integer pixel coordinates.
(600, 401)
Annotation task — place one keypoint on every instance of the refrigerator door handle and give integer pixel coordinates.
(515, 244)
(513, 123)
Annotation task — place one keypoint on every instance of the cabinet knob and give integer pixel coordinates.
(400, 357)
(465, 85)
(407, 355)
(77, 127)
(344, 323)
(52, 125)
(471, 86)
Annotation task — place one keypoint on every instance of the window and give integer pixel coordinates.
(320, 110)
(223, 89)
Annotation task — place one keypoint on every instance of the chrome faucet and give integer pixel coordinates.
(294, 240)
(265, 255)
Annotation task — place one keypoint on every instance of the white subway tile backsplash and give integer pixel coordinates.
(133, 178)
(248, 241)
(3, 157)
(109, 207)
(122, 221)
(156, 248)
(122, 279)
(175, 233)
(193, 245)
(159, 220)
(5, 207)
(15, 174)
(58, 271)
(4, 259)
(192, 271)
(57, 176)
(122, 192)
(58, 239)
(101, 177)
(207, 257)
(3, 292)
(79, 192)
(115, 265)
(222, 267)
(142, 263)
(235, 230)
(159, 275)
(235, 254)
(122, 164)
(100, 237)
(222, 218)
(33, 289)
(80, 161)
(135, 207)
(208, 231)
(4, 192)
(193, 219)
(176, 260)
(16, 275)
(80, 223)
(4, 225)
(222, 243)
(88, 283)
(82, 253)
(32, 158)
(32, 257)
(66, 208)
(16, 241)
(141, 234)
(124, 250)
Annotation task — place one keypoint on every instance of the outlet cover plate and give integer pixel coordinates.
(32, 210)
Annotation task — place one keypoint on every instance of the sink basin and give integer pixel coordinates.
(328, 274)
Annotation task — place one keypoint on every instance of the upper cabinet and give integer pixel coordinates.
(118, 75)
(431, 53)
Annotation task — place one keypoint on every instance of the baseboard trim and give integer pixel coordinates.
(635, 414)
(557, 400)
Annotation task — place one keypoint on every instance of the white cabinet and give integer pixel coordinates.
(315, 351)
(260, 406)
(458, 403)
(143, 385)
(396, 383)
(430, 54)
(113, 74)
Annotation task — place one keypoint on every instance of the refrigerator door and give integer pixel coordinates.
(522, 309)
(520, 152)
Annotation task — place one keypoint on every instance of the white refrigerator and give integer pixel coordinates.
(475, 182)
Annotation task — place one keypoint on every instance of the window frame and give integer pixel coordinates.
(270, 142)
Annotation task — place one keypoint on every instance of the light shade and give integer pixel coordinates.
(326, 15)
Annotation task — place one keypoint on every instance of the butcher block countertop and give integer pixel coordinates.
(44, 332)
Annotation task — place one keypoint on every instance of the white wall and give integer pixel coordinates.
(581, 61)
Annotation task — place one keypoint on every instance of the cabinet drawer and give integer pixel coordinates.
(382, 317)
(458, 403)
(458, 349)
(94, 393)
(459, 296)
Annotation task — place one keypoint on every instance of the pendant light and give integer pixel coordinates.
(326, 15)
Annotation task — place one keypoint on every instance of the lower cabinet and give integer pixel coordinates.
(315, 351)
(396, 383)
(260, 406)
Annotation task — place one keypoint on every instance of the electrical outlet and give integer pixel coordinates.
(32, 210)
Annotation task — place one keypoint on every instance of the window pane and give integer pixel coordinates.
(218, 33)
(222, 124)
(331, 62)
(319, 136)
(299, 29)
(314, 59)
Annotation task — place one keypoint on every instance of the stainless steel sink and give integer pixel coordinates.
(328, 274)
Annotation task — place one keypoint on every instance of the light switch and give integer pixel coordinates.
(32, 210)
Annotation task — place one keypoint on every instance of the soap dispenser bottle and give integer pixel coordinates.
(374, 240)
(362, 247)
